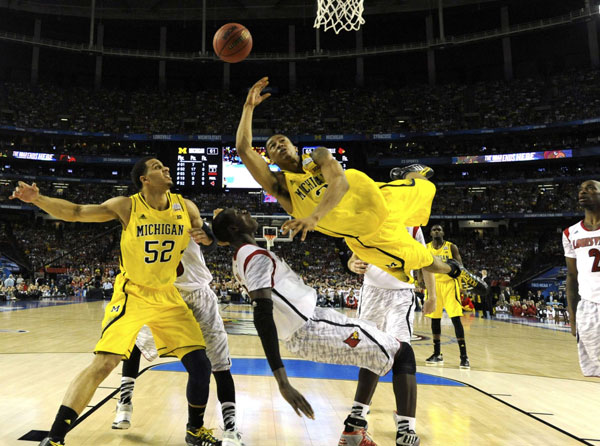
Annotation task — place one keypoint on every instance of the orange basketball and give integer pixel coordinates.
(232, 42)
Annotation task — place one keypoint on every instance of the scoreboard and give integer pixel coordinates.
(204, 166)
(198, 167)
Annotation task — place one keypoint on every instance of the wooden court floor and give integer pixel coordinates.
(524, 388)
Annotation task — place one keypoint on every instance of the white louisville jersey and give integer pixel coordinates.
(294, 302)
(377, 277)
(584, 245)
(195, 273)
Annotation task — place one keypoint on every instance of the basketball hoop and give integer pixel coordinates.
(339, 15)
(269, 234)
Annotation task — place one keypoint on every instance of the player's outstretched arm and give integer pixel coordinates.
(267, 331)
(255, 163)
(572, 288)
(114, 208)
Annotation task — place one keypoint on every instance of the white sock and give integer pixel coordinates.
(412, 422)
(359, 409)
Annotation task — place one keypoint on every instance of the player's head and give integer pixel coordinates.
(281, 151)
(589, 195)
(150, 172)
(232, 225)
(437, 232)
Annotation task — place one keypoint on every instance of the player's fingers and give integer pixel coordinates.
(307, 409)
(304, 232)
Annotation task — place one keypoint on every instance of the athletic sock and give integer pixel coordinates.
(228, 411)
(359, 409)
(436, 347)
(462, 347)
(412, 422)
(356, 418)
(127, 385)
(62, 423)
(196, 416)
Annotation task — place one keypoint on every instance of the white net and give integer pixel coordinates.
(340, 15)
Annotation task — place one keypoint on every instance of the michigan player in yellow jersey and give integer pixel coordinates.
(157, 226)
(448, 297)
(371, 217)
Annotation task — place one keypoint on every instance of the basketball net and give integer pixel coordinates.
(339, 15)
(270, 241)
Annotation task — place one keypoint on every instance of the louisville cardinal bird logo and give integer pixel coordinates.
(353, 339)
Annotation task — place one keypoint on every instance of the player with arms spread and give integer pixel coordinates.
(371, 217)
(156, 230)
(581, 243)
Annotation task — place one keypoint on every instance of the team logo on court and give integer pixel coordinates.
(353, 340)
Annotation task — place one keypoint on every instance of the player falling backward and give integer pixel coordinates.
(285, 308)
(581, 244)
(321, 196)
(157, 226)
(193, 284)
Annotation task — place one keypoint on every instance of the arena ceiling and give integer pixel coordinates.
(162, 10)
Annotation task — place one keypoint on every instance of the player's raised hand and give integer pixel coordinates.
(300, 225)
(25, 192)
(254, 97)
(297, 401)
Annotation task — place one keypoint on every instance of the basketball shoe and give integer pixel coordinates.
(200, 437)
(399, 173)
(435, 360)
(358, 436)
(469, 280)
(47, 442)
(123, 417)
(464, 363)
(405, 436)
(232, 438)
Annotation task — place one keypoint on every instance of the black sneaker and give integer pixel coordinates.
(48, 442)
(469, 281)
(464, 363)
(435, 360)
(200, 437)
(399, 173)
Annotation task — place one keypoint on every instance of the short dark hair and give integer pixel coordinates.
(220, 225)
(139, 169)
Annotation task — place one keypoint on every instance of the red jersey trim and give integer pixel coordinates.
(586, 229)
(566, 233)
(264, 253)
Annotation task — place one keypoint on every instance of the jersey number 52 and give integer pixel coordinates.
(154, 251)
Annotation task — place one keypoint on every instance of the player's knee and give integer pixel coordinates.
(104, 363)
(404, 361)
(197, 364)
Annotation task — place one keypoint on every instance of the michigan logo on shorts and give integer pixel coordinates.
(353, 340)
(115, 308)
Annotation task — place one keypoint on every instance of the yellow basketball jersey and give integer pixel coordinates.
(444, 252)
(154, 241)
(361, 210)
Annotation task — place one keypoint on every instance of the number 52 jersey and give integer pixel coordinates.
(584, 245)
(153, 242)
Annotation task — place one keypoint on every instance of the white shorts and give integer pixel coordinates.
(331, 337)
(393, 311)
(588, 337)
(205, 306)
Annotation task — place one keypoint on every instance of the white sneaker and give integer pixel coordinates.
(123, 417)
(232, 438)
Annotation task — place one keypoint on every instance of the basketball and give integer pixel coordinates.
(232, 42)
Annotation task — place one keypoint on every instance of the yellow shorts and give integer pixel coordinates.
(175, 330)
(448, 297)
(390, 246)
